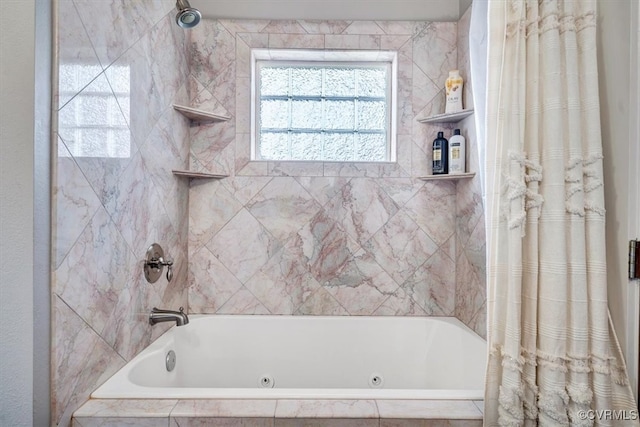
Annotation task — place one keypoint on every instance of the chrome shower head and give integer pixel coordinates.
(187, 17)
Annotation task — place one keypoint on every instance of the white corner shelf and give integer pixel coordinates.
(452, 176)
(447, 117)
(199, 116)
(197, 175)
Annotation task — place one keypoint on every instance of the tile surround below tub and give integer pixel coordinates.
(123, 412)
(333, 409)
(428, 409)
(326, 422)
(117, 422)
(282, 412)
(429, 423)
(227, 408)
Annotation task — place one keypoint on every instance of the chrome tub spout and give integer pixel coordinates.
(158, 315)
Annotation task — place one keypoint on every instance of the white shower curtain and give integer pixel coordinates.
(554, 359)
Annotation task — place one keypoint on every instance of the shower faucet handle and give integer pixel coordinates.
(155, 262)
(169, 264)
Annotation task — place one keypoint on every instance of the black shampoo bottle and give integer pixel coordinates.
(440, 155)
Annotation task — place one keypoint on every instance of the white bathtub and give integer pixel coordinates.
(313, 357)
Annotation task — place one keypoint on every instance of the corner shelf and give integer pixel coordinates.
(199, 116)
(197, 175)
(456, 176)
(447, 117)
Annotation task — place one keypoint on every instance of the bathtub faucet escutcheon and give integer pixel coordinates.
(155, 262)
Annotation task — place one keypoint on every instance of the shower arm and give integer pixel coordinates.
(182, 4)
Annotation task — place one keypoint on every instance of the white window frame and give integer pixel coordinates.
(298, 57)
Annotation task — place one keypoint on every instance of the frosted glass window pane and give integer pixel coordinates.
(339, 115)
(322, 111)
(274, 81)
(371, 82)
(274, 114)
(306, 146)
(274, 146)
(306, 114)
(306, 81)
(371, 148)
(338, 147)
(372, 115)
(339, 82)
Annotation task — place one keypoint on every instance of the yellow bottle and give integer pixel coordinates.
(453, 88)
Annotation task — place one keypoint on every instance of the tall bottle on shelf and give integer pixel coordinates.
(453, 90)
(440, 155)
(457, 153)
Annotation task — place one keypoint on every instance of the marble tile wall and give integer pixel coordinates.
(121, 65)
(320, 238)
(471, 242)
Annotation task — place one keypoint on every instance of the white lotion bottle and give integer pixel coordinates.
(453, 92)
(457, 153)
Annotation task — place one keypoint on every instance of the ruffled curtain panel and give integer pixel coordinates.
(553, 354)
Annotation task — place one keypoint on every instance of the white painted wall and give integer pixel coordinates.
(419, 10)
(42, 215)
(614, 66)
(635, 350)
(463, 5)
(633, 291)
(17, 46)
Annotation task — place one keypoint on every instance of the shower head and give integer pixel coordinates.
(187, 17)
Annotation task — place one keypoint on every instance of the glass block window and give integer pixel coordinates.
(339, 111)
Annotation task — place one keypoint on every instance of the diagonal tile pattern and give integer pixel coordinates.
(243, 245)
(76, 203)
(325, 247)
(361, 208)
(122, 65)
(211, 285)
(283, 207)
(362, 285)
(400, 247)
(309, 238)
(433, 285)
(283, 284)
